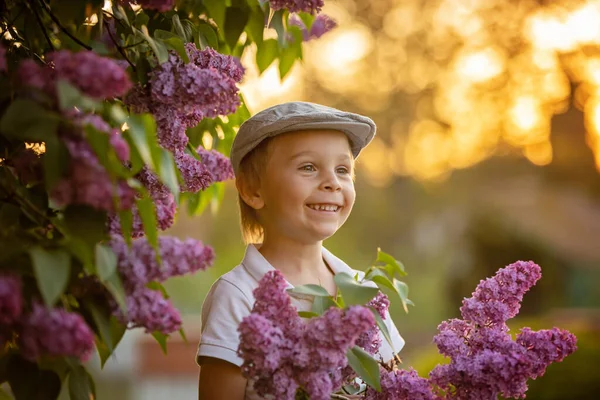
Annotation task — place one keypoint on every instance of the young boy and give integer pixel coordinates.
(294, 168)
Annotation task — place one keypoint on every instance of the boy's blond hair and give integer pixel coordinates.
(252, 167)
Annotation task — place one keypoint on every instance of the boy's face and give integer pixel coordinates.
(307, 191)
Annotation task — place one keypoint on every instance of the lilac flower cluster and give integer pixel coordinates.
(498, 299)
(87, 182)
(371, 340)
(195, 174)
(149, 309)
(181, 94)
(54, 332)
(164, 203)
(282, 354)
(138, 266)
(320, 26)
(309, 6)
(3, 64)
(11, 300)
(484, 360)
(217, 164)
(95, 76)
(400, 384)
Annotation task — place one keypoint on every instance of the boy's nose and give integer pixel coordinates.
(331, 184)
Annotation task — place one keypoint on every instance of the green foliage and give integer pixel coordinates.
(56, 249)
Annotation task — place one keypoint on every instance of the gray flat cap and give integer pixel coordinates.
(298, 116)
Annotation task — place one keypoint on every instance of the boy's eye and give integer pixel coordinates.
(308, 167)
(342, 170)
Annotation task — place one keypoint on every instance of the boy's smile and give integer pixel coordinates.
(307, 191)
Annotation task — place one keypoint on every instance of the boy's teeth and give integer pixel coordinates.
(324, 207)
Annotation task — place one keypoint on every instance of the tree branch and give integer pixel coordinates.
(62, 28)
(42, 26)
(119, 48)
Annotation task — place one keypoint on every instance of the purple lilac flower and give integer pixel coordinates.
(498, 299)
(309, 6)
(95, 76)
(320, 26)
(484, 360)
(217, 164)
(187, 87)
(260, 343)
(401, 385)
(11, 300)
(116, 139)
(3, 64)
(195, 175)
(273, 303)
(291, 354)
(164, 203)
(209, 58)
(138, 266)
(33, 75)
(54, 332)
(87, 182)
(546, 346)
(149, 309)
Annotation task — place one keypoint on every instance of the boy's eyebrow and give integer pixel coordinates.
(310, 152)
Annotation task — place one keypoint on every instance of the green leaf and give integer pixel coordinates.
(115, 287)
(159, 49)
(27, 381)
(387, 259)
(310, 289)
(101, 319)
(286, 61)
(402, 290)
(52, 269)
(183, 336)
(147, 214)
(86, 223)
(56, 161)
(142, 133)
(168, 172)
(179, 29)
(126, 222)
(80, 387)
(206, 37)
(69, 96)
(236, 19)
(279, 26)
(382, 326)
(27, 120)
(106, 261)
(365, 366)
(307, 314)
(216, 11)
(117, 330)
(256, 25)
(352, 291)
(175, 43)
(161, 338)
(266, 54)
(322, 304)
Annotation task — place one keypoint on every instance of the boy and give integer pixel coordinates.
(294, 168)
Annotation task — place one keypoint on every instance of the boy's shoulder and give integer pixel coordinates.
(237, 283)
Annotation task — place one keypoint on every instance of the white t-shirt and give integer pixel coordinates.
(230, 299)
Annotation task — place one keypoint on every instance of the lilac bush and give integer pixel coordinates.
(102, 118)
(309, 6)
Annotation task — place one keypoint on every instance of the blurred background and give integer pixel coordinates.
(488, 152)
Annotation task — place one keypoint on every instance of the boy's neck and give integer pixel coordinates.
(292, 257)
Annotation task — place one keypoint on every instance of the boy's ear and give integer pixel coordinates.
(250, 194)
